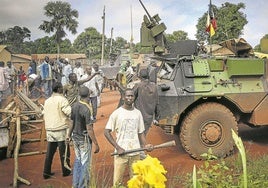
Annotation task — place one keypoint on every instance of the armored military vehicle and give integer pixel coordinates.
(202, 98)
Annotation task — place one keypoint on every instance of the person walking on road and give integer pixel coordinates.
(82, 134)
(127, 123)
(56, 112)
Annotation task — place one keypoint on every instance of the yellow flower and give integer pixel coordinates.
(135, 181)
(148, 173)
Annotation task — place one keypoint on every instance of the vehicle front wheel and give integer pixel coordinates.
(208, 126)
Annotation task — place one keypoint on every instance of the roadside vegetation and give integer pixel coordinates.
(244, 170)
(227, 173)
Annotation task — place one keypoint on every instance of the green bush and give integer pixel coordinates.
(228, 173)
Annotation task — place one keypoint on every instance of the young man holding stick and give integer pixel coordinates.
(127, 122)
(83, 136)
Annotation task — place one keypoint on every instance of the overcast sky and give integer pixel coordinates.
(176, 14)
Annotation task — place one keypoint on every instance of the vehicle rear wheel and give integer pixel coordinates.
(208, 126)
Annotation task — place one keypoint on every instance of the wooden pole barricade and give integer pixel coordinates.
(16, 176)
(15, 117)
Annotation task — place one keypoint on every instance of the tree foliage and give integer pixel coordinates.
(14, 38)
(62, 18)
(176, 36)
(89, 42)
(230, 23)
(48, 45)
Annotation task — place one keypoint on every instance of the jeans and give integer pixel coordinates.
(47, 86)
(81, 170)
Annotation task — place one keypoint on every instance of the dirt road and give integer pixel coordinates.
(174, 159)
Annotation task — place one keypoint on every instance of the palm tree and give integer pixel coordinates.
(62, 17)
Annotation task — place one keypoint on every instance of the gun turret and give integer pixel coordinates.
(152, 32)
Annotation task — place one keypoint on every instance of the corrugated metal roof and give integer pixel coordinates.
(37, 57)
(23, 56)
(2, 47)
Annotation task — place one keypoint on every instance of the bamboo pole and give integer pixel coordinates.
(10, 105)
(7, 111)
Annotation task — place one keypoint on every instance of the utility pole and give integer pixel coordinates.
(131, 37)
(103, 32)
(111, 43)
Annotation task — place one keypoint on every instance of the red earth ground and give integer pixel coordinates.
(174, 159)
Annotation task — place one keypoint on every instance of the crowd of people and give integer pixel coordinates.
(78, 101)
(70, 110)
(38, 78)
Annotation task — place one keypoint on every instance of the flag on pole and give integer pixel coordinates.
(211, 24)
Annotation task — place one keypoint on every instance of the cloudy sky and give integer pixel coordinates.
(176, 14)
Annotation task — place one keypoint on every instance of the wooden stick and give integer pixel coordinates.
(65, 158)
(164, 145)
(10, 105)
(16, 154)
(31, 153)
(4, 121)
(32, 121)
(7, 111)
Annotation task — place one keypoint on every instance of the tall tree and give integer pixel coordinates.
(176, 36)
(121, 43)
(62, 17)
(14, 38)
(230, 23)
(89, 42)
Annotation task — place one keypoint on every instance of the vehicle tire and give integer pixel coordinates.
(208, 126)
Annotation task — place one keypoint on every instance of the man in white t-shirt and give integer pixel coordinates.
(100, 79)
(93, 86)
(78, 70)
(127, 123)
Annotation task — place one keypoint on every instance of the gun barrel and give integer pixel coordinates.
(146, 10)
